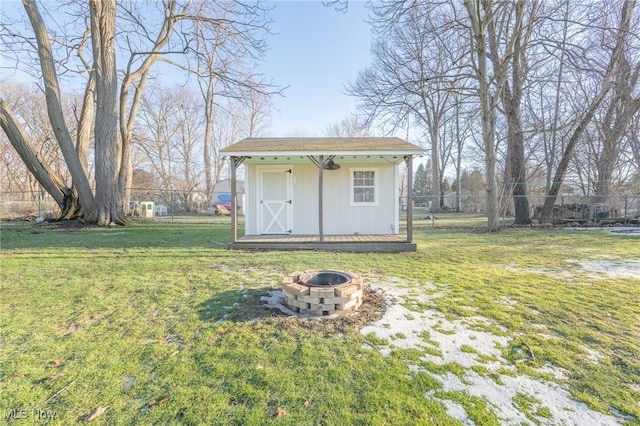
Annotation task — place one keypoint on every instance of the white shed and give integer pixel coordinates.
(321, 188)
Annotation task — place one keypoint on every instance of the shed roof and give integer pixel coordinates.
(322, 146)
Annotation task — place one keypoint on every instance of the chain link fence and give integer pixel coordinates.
(568, 209)
(144, 203)
(27, 205)
(156, 203)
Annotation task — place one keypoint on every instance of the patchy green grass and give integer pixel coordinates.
(526, 404)
(160, 324)
(477, 408)
(468, 349)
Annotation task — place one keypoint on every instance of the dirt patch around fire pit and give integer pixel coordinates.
(374, 306)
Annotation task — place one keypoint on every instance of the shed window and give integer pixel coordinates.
(364, 187)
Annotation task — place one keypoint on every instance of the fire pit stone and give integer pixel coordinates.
(322, 292)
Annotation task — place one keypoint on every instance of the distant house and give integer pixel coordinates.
(322, 190)
(221, 194)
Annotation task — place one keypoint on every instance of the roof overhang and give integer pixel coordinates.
(273, 158)
(296, 147)
(316, 153)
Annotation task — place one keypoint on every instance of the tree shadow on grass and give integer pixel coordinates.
(239, 305)
(64, 234)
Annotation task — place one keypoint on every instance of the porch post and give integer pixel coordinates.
(234, 201)
(320, 197)
(409, 162)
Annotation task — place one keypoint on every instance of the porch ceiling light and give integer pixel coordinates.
(331, 165)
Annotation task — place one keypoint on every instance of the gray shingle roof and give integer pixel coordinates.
(317, 146)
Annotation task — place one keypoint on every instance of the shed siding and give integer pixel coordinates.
(305, 199)
(339, 216)
(342, 218)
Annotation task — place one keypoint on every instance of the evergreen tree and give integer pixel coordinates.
(422, 183)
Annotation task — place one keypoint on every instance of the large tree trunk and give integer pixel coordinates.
(621, 109)
(558, 179)
(127, 120)
(125, 174)
(20, 141)
(138, 80)
(54, 108)
(208, 136)
(459, 143)
(511, 94)
(519, 184)
(515, 136)
(65, 198)
(108, 202)
(435, 167)
(515, 145)
(85, 123)
(487, 115)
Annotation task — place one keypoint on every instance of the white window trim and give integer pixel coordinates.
(376, 186)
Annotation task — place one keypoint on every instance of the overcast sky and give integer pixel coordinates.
(316, 51)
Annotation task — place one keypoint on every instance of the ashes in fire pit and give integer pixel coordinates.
(322, 292)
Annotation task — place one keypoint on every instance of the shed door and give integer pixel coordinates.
(275, 201)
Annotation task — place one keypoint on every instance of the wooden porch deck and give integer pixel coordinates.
(345, 243)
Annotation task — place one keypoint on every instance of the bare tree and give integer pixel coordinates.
(540, 82)
(460, 128)
(108, 197)
(71, 203)
(418, 59)
(187, 146)
(235, 118)
(349, 127)
(634, 147)
(481, 16)
(225, 54)
(258, 110)
(551, 125)
(29, 154)
(145, 50)
(157, 132)
(514, 32)
(147, 35)
(231, 124)
(623, 106)
(423, 59)
(603, 160)
(30, 108)
(620, 36)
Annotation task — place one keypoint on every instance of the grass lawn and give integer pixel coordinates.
(159, 324)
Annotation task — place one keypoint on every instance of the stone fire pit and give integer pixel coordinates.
(322, 292)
